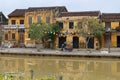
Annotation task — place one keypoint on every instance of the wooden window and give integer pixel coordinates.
(60, 24)
(71, 25)
(13, 36)
(107, 25)
(48, 19)
(79, 24)
(29, 20)
(38, 19)
(21, 21)
(6, 36)
(13, 22)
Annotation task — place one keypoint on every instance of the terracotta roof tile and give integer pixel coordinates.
(85, 13)
(45, 8)
(110, 17)
(17, 13)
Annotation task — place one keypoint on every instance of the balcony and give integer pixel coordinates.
(6, 27)
(21, 26)
(14, 26)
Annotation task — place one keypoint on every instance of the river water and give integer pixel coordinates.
(60, 68)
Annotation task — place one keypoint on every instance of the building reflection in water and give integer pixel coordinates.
(61, 68)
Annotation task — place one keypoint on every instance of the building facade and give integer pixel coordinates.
(16, 32)
(111, 22)
(68, 21)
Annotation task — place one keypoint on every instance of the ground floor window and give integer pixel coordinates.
(6, 36)
(13, 36)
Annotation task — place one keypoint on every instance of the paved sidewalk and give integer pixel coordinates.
(75, 52)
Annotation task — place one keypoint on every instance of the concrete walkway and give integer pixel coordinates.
(75, 52)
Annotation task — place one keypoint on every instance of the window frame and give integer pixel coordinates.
(13, 22)
(71, 25)
(6, 36)
(21, 21)
(47, 19)
(38, 19)
(29, 20)
(13, 36)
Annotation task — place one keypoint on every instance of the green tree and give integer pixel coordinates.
(37, 31)
(41, 32)
(53, 31)
(89, 28)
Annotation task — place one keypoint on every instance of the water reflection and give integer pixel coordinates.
(68, 68)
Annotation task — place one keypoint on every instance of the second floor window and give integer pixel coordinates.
(60, 24)
(13, 22)
(21, 21)
(79, 24)
(71, 25)
(13, 36)
(48, 19)
(38, 19)
(107, 25)
(29, 20)
(6, 36)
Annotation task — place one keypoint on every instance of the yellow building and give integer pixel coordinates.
(112, 23)
(41, 14)
(16, 32)
(68, 21)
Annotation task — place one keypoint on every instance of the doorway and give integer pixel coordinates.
(61, 41)
(118, 41)
(91, 43)
(75, 42)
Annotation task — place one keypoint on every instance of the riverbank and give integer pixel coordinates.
(51, 52)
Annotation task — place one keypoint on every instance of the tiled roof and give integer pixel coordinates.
(85, 13)
(17, 13)
(45, 8)
(110, 17)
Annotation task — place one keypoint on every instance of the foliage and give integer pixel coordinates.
(96, 27)
(55, 29)
(90, 27)
(43, 31)
(48, 79)
(37, 31)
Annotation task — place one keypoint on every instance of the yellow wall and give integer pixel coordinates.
(113, 35)
(75, 20)
(114, 25)
(10, 31)
(113, 40)
(34, 15)
(15, 18)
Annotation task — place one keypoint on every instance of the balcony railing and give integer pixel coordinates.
(22, 26)
(6, 27)
(14, 26)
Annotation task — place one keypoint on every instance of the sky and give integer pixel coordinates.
(105, 6)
